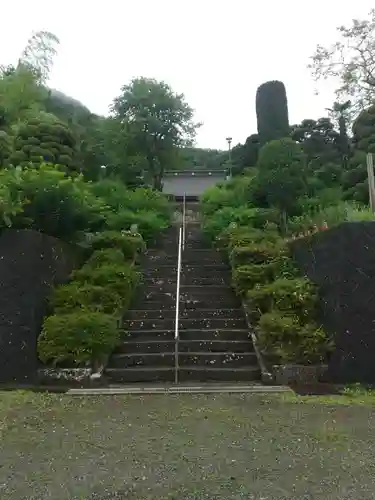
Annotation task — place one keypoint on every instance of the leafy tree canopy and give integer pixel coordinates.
(155, 121)
(350, 60)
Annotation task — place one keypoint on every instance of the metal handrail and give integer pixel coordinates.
(176, 331)
(184, 221)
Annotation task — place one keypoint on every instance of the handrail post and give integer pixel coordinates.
(184, 222)
(176, 331)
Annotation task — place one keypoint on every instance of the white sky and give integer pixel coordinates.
(217, 53)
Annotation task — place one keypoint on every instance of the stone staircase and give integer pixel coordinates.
(214, 340)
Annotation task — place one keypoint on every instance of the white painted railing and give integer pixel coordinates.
(184, 222)
(177, 318)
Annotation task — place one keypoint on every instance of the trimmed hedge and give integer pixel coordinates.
(78, 338)
(284, 339)
(116, 278)
(105, 256)
(84, 327)
(76, 295)
(130, 244)
(296, 297)
(281, 303)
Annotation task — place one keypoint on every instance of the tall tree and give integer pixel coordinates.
(201, 158)
(341, 114)
(39, 53)
(245, 155)
(22, 89)
(272, 111)
(319, 141)
(281, 177)
(20, 96)
(155, 121)
(351, 60)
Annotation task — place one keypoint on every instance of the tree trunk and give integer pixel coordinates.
(283, 222)
(157, 182)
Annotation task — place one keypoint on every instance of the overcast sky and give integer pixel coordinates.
(217, 53)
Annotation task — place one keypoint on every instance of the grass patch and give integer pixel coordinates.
(351, 395)
(188, 447)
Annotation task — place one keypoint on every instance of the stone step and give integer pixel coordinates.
(189, 280)
(195, 290)
(155, 300)
(185, 324)
(205, 271)
(188, 300)
(153, 305)
(156, 346)
(185, 373)
(187, 335)
(157, 257)
(223, 279)
(200, 358)
(195, 244)
(185, 313)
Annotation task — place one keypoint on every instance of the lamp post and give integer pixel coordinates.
(229, 141)
(103, 171)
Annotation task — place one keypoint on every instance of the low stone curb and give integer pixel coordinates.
(70, 376)
(267, 376)
(214, 389)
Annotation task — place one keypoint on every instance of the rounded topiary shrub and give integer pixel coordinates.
(149, 223)
(245, 236)
(68, 298)
(106, 256)
(80, 338)
(296, 296)
(129, 244)
(244, 278)
(262, 252)
(284, 339)
(122, 279)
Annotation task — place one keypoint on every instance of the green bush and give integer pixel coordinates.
(245, 277)
(283, 339)
(129, 244)
(149, 223)
(47, 200)
(33, 138)
(256, 253)
(219, 221)
(119, 197)
(101, 290)
(228, 218)
(75, 295)
(78, 338)
(332, 215)
(296, 296)
(121, 279)
(244, 236)
(232, 194)
(150, 210)
(106, 256)
(147, 199)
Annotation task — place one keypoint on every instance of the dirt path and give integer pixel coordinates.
(183, 447)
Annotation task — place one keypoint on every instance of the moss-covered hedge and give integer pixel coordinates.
(282, 304)
(83, 328)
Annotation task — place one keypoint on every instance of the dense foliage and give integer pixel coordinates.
(95, 181)
(83, 328)
(281, 305)
(44, 139)
(148, 126)
(272, 112)
(301, 180)
(155, 122)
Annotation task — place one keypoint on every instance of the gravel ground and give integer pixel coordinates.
(183, 447)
